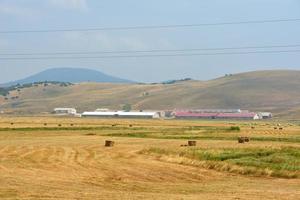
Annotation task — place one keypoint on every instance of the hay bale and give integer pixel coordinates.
(45, 124)
(192, 143)
(275, 128)
(130, 125)
(114, 125)
(109, 143)
(247, 139)
(12, 123)
(241, 139)
(59, 125)
(252, 127)
(71, 124)
(281, 128)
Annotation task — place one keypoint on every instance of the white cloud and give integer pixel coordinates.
(70, 4)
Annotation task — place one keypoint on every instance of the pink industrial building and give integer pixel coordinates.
(215, 114)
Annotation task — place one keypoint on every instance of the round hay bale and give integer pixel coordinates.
(71, 124)
(109, 143)
(45, 124)
(252, 127)
(247, 139)
(130, 125)
(241, 139)
(12, 123)
(59, 125)
(281, 128)
(192, 143)
(275, 128)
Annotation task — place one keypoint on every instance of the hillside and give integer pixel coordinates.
(275, 91)
(72, 75)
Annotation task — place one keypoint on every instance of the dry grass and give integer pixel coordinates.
(249, 89)
(74, 164)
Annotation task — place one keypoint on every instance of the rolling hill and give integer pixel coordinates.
(275, 91)
(72, 75)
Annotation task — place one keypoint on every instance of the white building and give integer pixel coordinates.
(65, 111)
(122, 114)
(265, 115)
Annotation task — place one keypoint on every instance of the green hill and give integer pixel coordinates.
(275, 91)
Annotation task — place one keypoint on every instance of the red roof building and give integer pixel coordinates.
(216, 115)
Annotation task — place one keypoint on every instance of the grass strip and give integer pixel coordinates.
(283, 162)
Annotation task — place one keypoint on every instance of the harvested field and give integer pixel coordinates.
(147, 160)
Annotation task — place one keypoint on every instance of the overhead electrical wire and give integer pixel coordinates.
(151, 55)
(142, 53)
(148, 27)
(150, 51)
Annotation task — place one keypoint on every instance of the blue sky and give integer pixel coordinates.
(64, 14)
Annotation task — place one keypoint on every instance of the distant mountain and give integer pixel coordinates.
(72, 75)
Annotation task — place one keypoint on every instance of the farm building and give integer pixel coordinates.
(265, 115)
(65, 111)
(217, 111)
(208, 114)
(122, 114)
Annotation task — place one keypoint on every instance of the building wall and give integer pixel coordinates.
(70, 111)
(119, 116)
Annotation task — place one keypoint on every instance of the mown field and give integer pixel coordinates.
(65, 158)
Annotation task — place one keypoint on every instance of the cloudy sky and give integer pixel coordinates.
(19, 15)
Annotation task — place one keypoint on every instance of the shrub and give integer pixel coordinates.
(234, 128)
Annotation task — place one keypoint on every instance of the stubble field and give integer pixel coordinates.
(65, 158)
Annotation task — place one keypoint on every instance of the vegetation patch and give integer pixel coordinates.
(134, 135)
(4, 91)
(201, 133)
(283, 162)
(62, 127)
(203, 136)
(234, 128)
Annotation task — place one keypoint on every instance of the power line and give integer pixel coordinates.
(148, 56)
(151, 51)
(150, 27)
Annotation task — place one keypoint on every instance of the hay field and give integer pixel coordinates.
(65, 158)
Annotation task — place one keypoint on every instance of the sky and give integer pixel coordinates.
(16, 15)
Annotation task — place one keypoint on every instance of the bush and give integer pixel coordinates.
(127, 107)
(234, 128)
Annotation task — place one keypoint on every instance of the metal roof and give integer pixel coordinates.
(211, 110)
(233, 115)
(119, 113)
